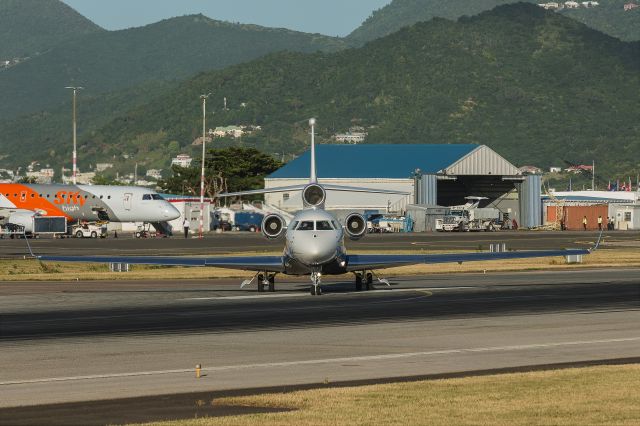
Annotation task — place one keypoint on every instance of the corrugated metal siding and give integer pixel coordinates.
(427, 191)
(573, 216)
(530, 201)
(482, 161)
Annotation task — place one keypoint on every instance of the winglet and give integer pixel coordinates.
(594, 248)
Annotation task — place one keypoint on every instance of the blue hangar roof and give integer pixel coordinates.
(393, 161)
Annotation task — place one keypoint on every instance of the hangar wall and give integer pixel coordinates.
(292, 201)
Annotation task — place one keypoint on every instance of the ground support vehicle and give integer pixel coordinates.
(89, 230)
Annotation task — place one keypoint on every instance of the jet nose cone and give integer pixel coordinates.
(169, 212)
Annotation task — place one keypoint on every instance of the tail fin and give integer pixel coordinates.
(313, 178)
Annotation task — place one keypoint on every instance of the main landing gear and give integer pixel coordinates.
(316, 289)
(364, 280)
(263, 280)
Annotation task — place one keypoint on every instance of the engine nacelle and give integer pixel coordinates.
(355, 226)
(313, 195)
(23, 218)
(273, 226)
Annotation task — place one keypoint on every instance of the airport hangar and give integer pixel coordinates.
(433, 175)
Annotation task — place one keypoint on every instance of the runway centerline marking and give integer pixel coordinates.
(380, 357)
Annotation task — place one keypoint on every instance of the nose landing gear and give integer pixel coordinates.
(316, 289)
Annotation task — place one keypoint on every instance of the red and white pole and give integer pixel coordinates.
(204, 141)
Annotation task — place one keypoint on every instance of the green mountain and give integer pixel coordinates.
(536, 86)
(171, 49)
(609, 17)
(31, 27)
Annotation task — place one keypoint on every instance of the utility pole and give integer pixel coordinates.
(75, 153)
(204, 142)
(593, 176)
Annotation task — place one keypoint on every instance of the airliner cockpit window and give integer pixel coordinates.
(156, 197)
(147, 197)
(323, 225)
(306, 225)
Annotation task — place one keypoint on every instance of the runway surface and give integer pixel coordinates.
(234, 242)
(84, 341)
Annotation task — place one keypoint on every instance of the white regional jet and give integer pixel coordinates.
(314, 244)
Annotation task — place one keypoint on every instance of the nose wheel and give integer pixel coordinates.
(316, 289)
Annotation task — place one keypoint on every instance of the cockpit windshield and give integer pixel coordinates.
(305, 225)
(151, 197)
(323, 225)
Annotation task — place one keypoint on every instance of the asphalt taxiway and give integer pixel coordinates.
(84, 341)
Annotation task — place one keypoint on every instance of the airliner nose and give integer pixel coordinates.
(169, 212)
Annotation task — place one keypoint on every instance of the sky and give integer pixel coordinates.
(330, 17)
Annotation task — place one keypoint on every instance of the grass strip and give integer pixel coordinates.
(576, 396)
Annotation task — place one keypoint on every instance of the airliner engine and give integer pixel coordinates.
(23, 218)
(273, 225)
(355, 226)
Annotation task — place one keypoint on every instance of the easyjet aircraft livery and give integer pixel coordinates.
(87, 202)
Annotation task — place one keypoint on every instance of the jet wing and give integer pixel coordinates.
(246, 263)
(361, 262)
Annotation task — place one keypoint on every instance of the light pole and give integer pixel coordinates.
(75, 153)
(204, 142)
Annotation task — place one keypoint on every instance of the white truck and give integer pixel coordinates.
(470, 217)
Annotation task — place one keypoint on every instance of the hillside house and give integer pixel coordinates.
(630, 6)
(182, 160)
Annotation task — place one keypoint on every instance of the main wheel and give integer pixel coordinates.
(79, 234)
(313, 290)
(369, 281)
(260, 283)
(358, 282)
(272, 284)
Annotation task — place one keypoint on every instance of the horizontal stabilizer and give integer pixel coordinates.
(301, 187)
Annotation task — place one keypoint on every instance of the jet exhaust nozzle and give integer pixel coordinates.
(273, 226)
(355, 226)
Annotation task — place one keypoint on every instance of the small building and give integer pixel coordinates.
(154, 174)
(555, 169)
(81, 178)
(189, 207)
(630, 6)
(626, 217)
(101, 167)
(355, 137)
(228, 131)
(532, 170)
(182, 160)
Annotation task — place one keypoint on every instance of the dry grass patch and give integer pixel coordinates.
(585, 396)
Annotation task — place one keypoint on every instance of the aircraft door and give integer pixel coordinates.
(128, 197)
